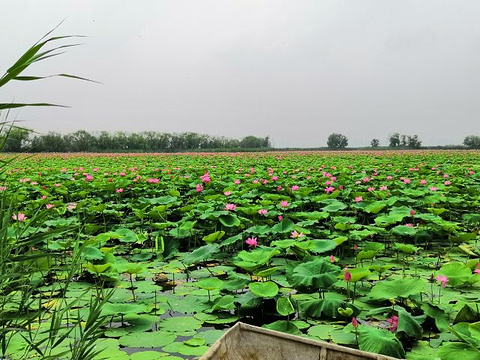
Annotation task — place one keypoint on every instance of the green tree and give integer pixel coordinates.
(472, 142)
(253, 142)
(394, 140)
(375, 143)
(414, 142)
(337, 141)
(15, 140)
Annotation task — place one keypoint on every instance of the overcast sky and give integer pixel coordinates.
(295, 70)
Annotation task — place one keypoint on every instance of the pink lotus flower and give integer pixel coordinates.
(19, 217)
(120, 190)
(199, 187)
(88, 178)
(407, 181)
(354, 322)
(153, 181)
(443, 280)
(394, 321)
(423, 182)
(295, 234)
(280, 217)
(333, 179)
(274, 178)
(433, 188)
(3, 188)
(123, 174)
(295, 188)
(447, 182)
(412, 212)
(347, 276)
(252, 242)
(329, 189)
(71, 206)
(227, 193)
(328, 182)
(383, 188)
(205, 178)
(237, 182)
(370, 189)
(284, 203)
(358, 199)
(262, 212)
(231, 207)
(408, 225)
(49, 206)
(332, 259)
(445, 176)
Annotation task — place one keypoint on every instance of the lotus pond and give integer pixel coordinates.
(372, 250)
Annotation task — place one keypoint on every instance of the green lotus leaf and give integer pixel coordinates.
(92, 253)
(229, 220)
(452, 351)
(147, 339)
(393, 289)
(264, 289)
(201, 254)
(180, 324)
(284, 226)
(210, 238)
(457, 273)
(285, 306)
(315, 274)
(379, 341)
(212, 283)
(283, 326)
(210, 336)
(184, 349)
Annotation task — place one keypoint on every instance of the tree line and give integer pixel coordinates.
(23, 140)
(397, 141)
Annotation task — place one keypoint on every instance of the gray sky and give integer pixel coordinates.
(296, 70)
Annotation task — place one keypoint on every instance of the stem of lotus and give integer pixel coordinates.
(132, 288)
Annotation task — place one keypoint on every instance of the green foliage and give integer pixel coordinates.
(337, 141)
(379, 341)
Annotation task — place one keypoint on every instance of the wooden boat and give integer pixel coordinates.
(247, 342)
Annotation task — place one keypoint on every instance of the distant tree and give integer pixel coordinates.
(252, 142)
(82, 141)
(50, 142)
(337, 141)
(16, 139)
(105, 141)
(403, 140)
(472, 142)
(394, 140)
(375, 143)
(414, 142)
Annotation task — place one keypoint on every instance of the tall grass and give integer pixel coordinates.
(25, 261)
